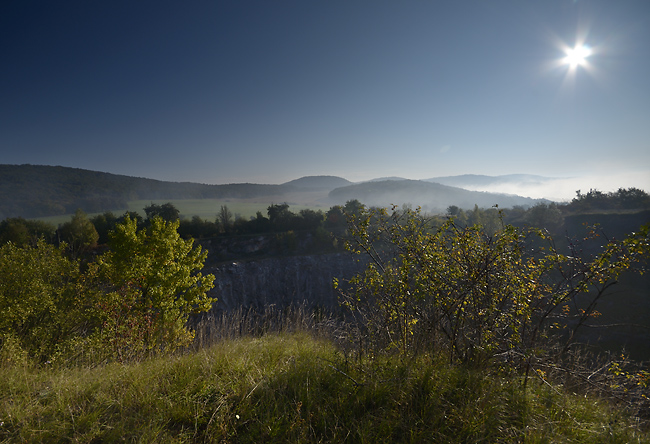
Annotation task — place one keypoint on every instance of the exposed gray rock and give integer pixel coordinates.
(283, 281)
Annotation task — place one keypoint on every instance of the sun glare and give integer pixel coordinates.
(577, 56)
(572, 62)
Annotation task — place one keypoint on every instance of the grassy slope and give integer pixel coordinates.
(292, 388)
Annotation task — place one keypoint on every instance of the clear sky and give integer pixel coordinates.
(269, 91)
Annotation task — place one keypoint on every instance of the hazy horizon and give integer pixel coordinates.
(261, 92)
(558, 189)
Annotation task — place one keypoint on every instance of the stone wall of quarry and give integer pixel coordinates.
(281, 281)
(255, 272)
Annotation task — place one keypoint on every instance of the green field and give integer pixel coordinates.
(205, 208)
(208, 208)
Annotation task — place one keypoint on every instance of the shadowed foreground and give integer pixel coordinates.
(294, 388)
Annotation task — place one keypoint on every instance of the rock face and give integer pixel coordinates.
(282, 281)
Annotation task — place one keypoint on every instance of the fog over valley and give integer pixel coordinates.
(558, 189)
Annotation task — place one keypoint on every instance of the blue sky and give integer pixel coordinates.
(269, 91)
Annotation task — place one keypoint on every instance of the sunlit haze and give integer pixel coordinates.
(266, 92)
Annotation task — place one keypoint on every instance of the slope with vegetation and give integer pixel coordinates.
(460, 329)
(292, 388)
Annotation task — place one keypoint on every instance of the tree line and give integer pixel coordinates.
(82, 233)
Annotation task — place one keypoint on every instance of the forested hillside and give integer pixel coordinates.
(37, 191)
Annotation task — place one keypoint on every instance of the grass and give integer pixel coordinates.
(206, 208)
(292, 387)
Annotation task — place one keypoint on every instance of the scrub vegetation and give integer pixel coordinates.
(463, 327)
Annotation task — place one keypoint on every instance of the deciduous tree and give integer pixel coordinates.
(79, 234)
(225, 218)
(166, 211)
(25, 232)
(154, 283)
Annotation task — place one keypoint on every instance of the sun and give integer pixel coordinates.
(577, 56)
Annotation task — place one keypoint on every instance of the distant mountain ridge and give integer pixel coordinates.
(383, 179)
(319, 182)
(38, 191)
(432, 197)
(479, 180)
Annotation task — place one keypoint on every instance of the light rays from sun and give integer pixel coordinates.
(577, 56)
(573, 61)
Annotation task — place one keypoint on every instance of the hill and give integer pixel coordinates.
(383, 179)
(432, 197)
(37, 190)
(315, 183)
(473, 181)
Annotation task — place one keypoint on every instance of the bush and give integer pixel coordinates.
(476, 297)
(39, 299)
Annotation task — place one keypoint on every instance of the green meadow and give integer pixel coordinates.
(204, 208)
(208, 208)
